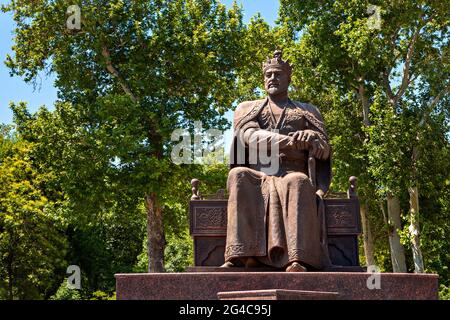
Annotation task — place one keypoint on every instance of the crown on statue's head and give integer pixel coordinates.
(277, 62)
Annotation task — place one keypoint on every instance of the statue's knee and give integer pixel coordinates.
(237, 173)
(295, 179)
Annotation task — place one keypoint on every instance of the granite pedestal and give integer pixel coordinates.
(277, 294)
(207, 285)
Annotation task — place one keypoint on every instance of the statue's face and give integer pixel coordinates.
(276, 81)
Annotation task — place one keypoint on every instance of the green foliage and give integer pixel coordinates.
(100, 295)
(104, 230)
(444, 292)
(179, 253)
(389, 147)
(32, 246)
(179, 245)
(106, 248)
(66, 293)
(435, 229)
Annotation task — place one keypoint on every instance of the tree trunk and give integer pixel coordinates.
(394, 222)
(367, 236)
(155, 234)
(414, 229)
(364, 102)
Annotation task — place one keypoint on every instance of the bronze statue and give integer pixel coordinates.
(277, 219)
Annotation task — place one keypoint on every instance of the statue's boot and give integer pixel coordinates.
(295, 267)
(232, 264)
(227, 264)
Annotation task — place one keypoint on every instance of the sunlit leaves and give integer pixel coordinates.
(32, 246)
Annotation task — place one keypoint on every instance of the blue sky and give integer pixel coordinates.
(15, 89)
(267, 8)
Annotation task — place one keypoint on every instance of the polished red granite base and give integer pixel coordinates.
(277, 294)
(206, 285)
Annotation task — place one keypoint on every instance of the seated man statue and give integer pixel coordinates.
(276, 216)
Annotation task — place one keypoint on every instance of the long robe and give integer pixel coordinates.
(276, 218)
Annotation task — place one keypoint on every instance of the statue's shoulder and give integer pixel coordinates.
(245, 107)
(308, 107)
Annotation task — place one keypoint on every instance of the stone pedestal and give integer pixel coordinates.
(277, 294)
(207, 285)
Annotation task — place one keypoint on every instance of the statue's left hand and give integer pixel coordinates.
(307, 136)
(303, 139)
(309, 140)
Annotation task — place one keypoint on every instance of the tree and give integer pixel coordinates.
(32, 245)
(133, 73)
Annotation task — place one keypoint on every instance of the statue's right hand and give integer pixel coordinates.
(297, 140)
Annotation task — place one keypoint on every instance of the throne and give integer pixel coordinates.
(208, 228)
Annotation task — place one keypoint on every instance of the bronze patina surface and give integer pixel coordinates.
(277, 219)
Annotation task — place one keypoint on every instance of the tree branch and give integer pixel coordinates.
(392, 44)
(406, 68)
(387, 86)
(113, 71)
(406, 79)
(364, 101)
(429, 108)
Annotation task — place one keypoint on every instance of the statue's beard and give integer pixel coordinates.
(272, 90)
(275, 91)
